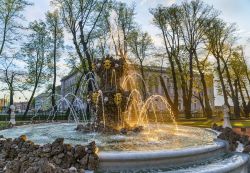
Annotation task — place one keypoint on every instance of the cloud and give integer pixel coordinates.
(38, 10)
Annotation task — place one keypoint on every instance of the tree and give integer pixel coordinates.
(195, 17)
(11, 76)
(80, 17)
(140, 44)
(240, 75)
(35, 50)
(167, 19)
(183, 29)
(245, 81)
(55, 32)
(198, 92)
(10, 13)
(221, 38)
(120, 23)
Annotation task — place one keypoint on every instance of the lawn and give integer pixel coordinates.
(204, 123)
(208, 123)
(3, 124)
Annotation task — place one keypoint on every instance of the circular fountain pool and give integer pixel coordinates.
(156, 149)
(154, 137)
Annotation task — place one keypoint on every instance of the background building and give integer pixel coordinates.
(153, 85)
(3, 104)
(43, 100)
(20, 107)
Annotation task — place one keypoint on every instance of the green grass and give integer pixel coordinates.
(3, 124)
(241, 123)
(199, 122)
(209, 123)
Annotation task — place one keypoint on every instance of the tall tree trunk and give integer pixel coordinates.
(246, 90)
(183, 82)
(11, 100)
(222, 82)
(188, 100)
(85, 46)
(88, 56)
(173, 106)
(173, 70)
(244, 104)
(248, 97)
(233, 93)
(53, 99)
(202, 104)
(30, 100)
(144, 90)
(207, 108)
(236, 100)
(4, 37)
(86, 68)
(11, 96)
(187, 108)
(11, 89)
(34, 89)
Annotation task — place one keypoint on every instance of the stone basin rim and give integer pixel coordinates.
(135, 155)
(28, 124)
(46, 123)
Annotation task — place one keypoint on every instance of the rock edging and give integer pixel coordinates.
(232, 138)
(20, 155)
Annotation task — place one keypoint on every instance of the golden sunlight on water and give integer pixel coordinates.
(141, 111)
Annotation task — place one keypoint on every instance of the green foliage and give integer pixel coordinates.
(140, 44)
(35, 51)
(10, 15)
(56, 40)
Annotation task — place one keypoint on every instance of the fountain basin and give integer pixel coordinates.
(158, 159)
(224, 163)
(153, 138)
(153, 149)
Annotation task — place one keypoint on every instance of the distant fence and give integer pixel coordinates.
(64, 116)
(39, 116)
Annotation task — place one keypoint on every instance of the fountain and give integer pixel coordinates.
(131, 132)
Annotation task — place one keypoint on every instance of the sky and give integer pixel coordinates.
(232, 11)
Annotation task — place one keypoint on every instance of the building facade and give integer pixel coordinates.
(20, 107)
(153, 85)
(43, 100)
(69, 82)
(3, 104)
